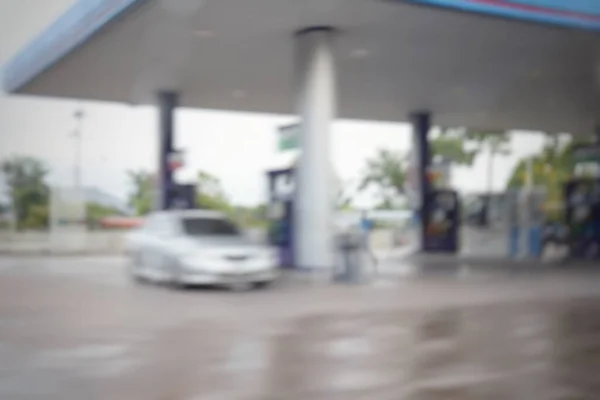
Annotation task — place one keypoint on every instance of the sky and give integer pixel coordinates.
(237, 148)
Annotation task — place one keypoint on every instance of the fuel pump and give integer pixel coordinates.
(280, 213)
(182, 196)
(582, 203)
(442, 222)
(583, 217)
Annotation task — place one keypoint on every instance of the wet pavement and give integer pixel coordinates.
(76, 328)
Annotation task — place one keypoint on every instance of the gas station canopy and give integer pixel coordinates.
(489, 64)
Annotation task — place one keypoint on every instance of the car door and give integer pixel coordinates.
(142, 244)
(156, 246)
(138, 245)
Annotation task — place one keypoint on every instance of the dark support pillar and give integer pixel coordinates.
(167, 103)
(421, 124)
(597, 134)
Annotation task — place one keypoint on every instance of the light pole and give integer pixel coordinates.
(77, 135)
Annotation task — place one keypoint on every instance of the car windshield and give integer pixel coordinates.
(209, 227)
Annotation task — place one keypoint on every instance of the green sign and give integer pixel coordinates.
(288, 137)
(589, 153)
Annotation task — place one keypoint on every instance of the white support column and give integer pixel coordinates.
(314, 202)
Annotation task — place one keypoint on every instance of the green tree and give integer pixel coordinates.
(209, 192)
(344, 196)
(210, 195)
(386, 171)
(496, 144)
(37, 217)
(250, 216)
(96, 212)
(454, 145)
(550, 168)
(461, 147)
(26, 179)
(141, 198)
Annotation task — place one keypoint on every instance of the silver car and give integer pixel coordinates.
(198, 247)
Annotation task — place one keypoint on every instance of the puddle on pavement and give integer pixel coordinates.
(98, 361)
(350, 347)
(520, 352)
(529, 351)
(246, 355)
(86, 352)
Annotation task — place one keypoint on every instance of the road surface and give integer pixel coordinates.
(76, 328)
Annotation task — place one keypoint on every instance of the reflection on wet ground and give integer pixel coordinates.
(491, 353)
(151, 344)
(531, 352)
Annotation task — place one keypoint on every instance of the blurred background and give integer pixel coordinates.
(465, 250)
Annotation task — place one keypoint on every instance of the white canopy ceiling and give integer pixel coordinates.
(393, 58)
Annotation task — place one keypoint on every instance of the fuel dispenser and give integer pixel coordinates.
(182, 196)
(442, 221)
(582, 215)
(582, 203)
(280, 213)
